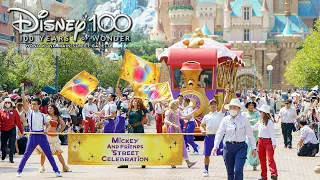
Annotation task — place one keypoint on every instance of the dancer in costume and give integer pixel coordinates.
(209, 126)
(172, 120)
(253, 117)
(121, 116)
(54, 142)
(235, 128)
(109, 111)
(136, 116)
(37, 121)
(266, 143)
(180, 108)
(190, 126)
(159, 108)
(87, 114)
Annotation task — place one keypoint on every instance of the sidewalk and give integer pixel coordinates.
(290, 167)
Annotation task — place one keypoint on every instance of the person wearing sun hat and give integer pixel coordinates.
(266, 142)
(88, 113)
(253, 115)
(9, 119)
(235, 128)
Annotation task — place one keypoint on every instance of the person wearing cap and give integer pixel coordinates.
(235, 128)
(266, 142)
(287, 115)
(88, 113)
(37, 121)
(253, 115)
(9, 120)
(209, 126)
(308, 144)
(188, 116)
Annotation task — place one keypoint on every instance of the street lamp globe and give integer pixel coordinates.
(270, 67)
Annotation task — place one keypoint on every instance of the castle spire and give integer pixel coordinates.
(287, 31)
(228, 6)
(287, 5)
(264, 6)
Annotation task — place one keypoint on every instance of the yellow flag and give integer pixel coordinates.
(160, 91)
(138, 70)
(79, 87)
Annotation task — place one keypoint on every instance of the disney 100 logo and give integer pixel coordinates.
(66, 25)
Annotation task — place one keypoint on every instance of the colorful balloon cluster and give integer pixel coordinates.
(152, 93)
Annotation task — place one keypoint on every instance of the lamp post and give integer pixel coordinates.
(270, 68)
(254, 76)
(56, 52)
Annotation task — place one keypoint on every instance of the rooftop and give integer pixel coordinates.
(295, 22)
(205, 30)
(237, 7)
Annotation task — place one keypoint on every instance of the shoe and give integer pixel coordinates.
(254, 168)
(205, 173)
(12, 162)
(273, 177)
(18, 174)
(290, 147)
(317, 169)
(192, 164)
(58, 174)
(41, 169)
(143, 166)
(285, 146)
(173, 167)
(314, 152)
(195, 153)
(66, 169)
(123, 166)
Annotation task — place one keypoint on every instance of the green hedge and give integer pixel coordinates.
(274, 41)
(179, 6)
(221, 41)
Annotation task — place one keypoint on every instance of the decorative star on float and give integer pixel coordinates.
(170, 147)
(175, 143)
(79, 142)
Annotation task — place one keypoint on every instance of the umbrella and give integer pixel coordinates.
(222, 50)
(49, 90)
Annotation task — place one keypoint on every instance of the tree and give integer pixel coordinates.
(144, 47)
(304, 70)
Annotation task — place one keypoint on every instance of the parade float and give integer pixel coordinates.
(201, 69)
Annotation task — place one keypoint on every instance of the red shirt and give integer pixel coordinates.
(13, 121)
(44, 109)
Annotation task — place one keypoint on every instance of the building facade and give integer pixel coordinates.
(268, 31)
(6, 37)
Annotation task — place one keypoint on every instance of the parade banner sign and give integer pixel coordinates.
(136, 69)
(125, 149)
(79, 87)
(159, 91)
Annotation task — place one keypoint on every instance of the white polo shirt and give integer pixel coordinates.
(288, 115)
(212, 121)
(308, 135)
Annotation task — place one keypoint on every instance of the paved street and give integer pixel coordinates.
(290, 167)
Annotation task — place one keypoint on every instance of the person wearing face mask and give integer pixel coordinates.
(253, 117)
(235, 128)
(9, 119)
